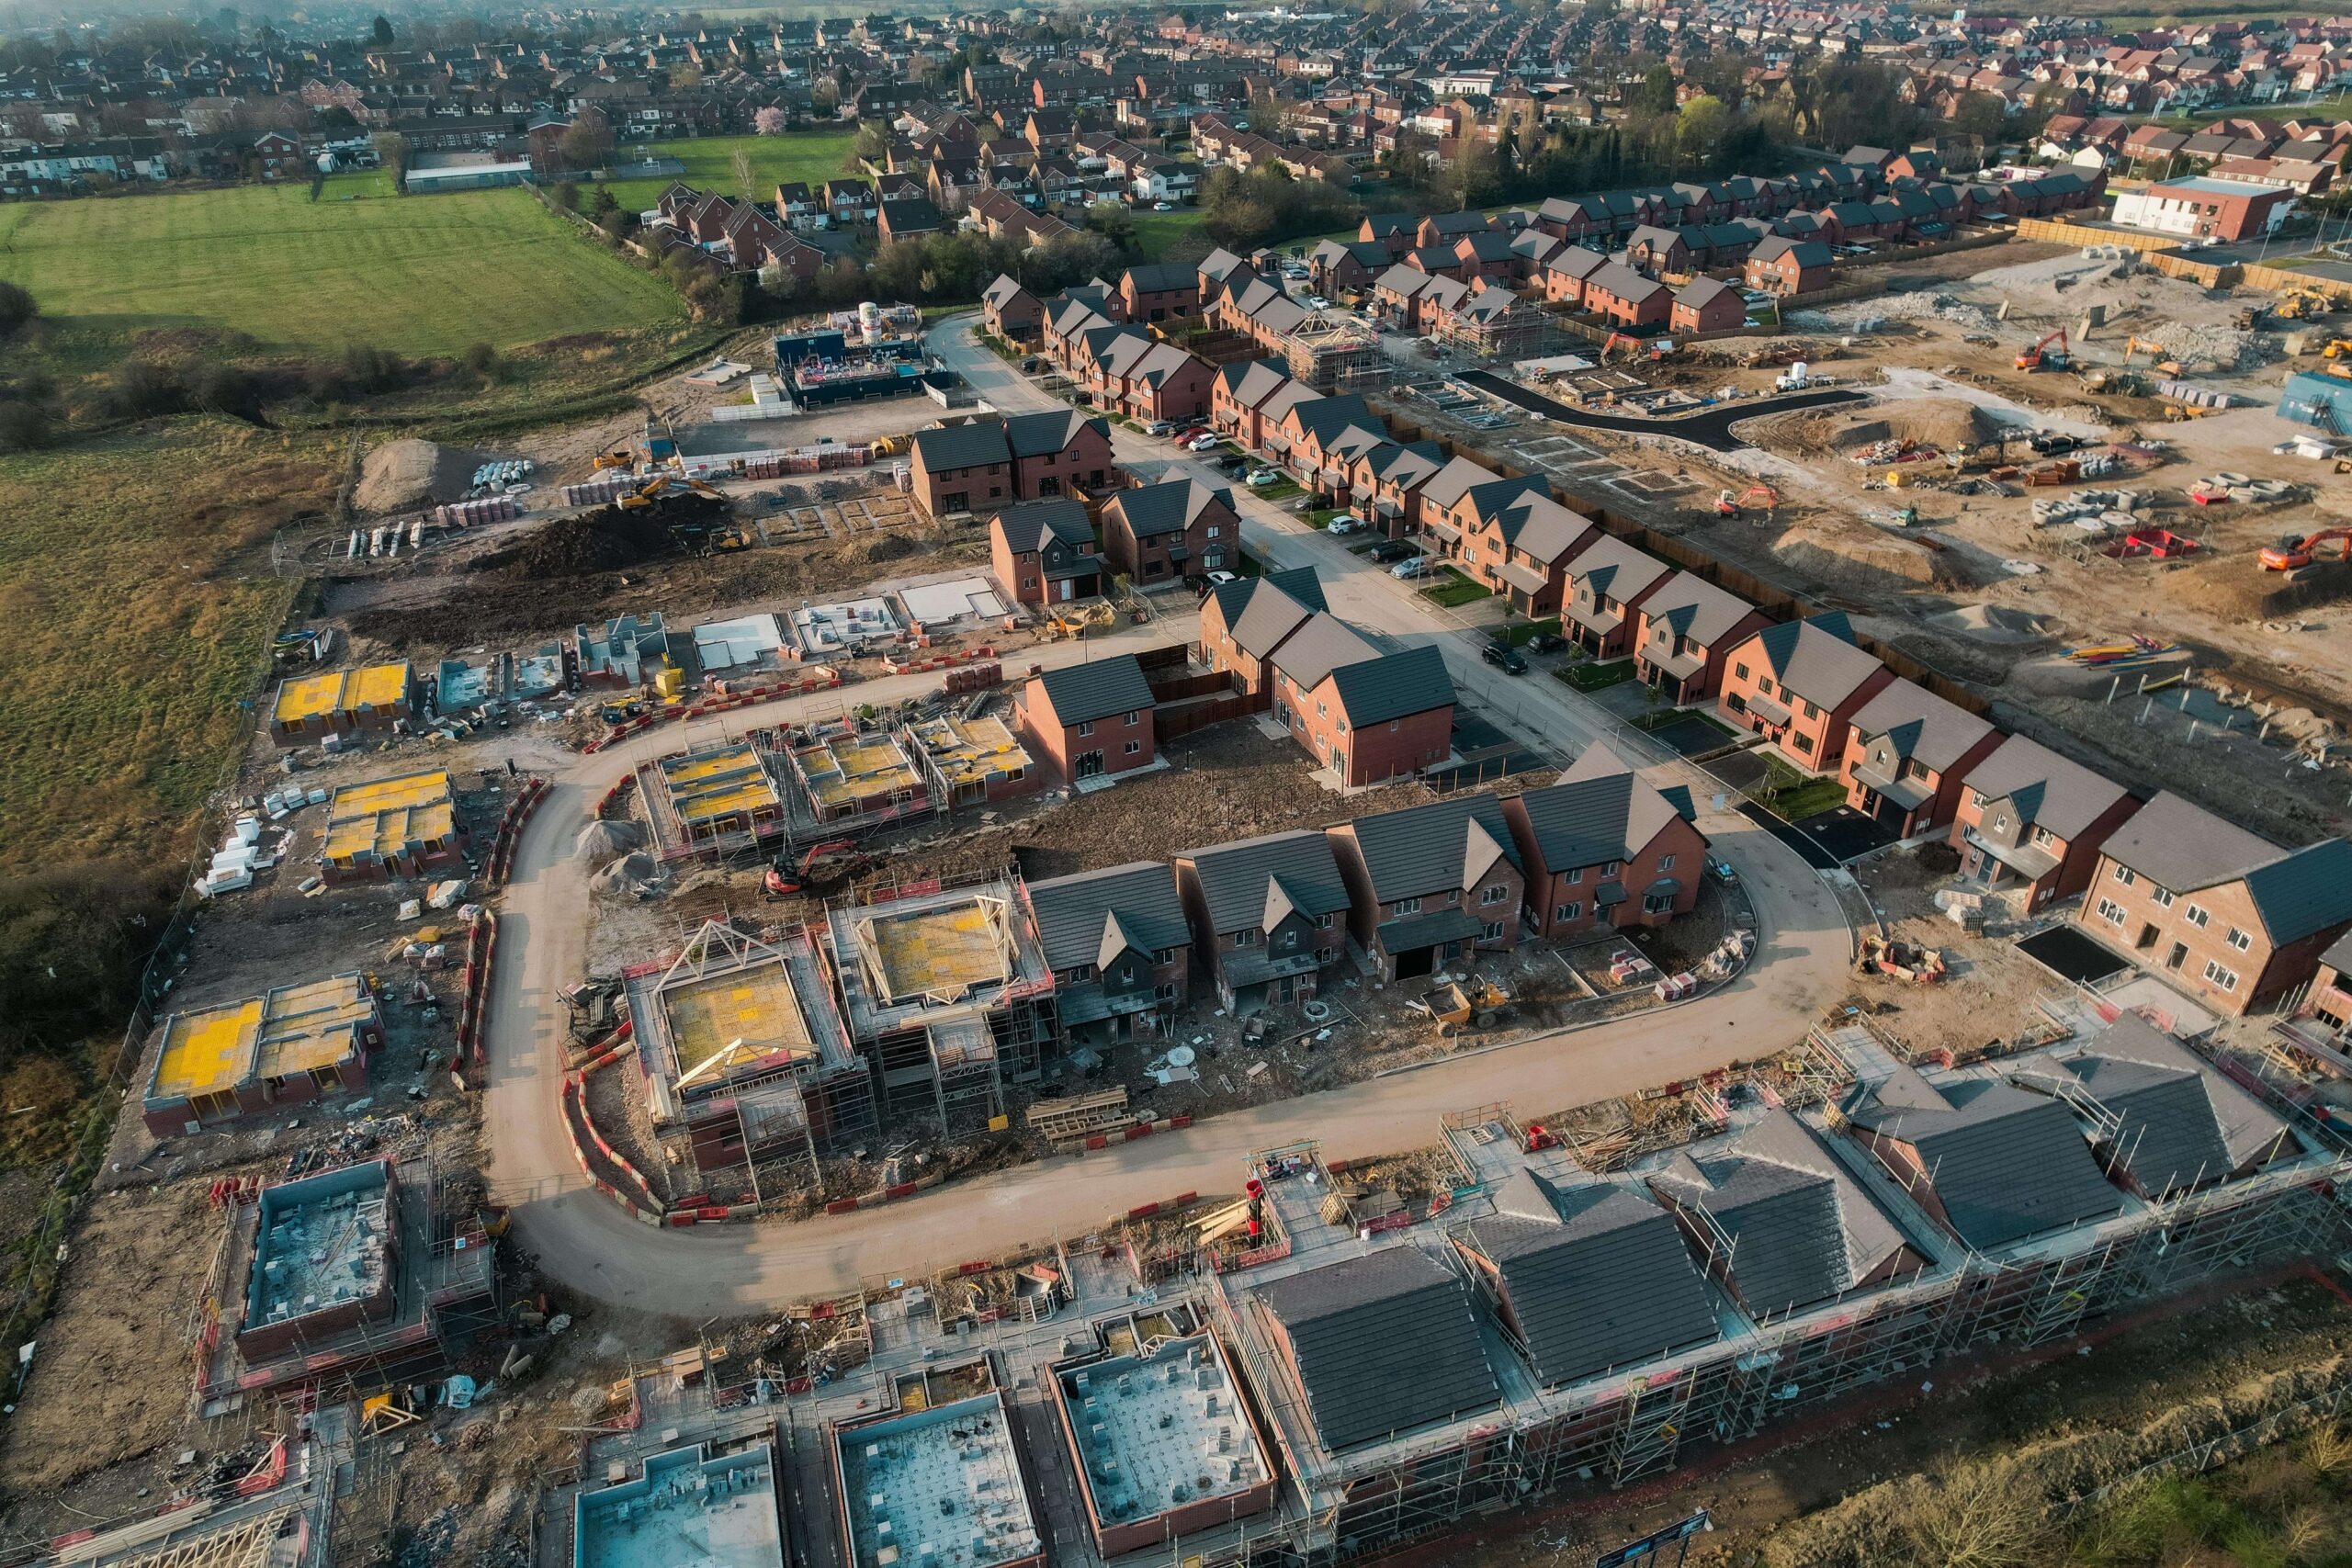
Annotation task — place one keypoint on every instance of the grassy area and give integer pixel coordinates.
(1589, 675)
(416, 276)
(1320, 516)
(1178, 235)
(1282, 489)
(1456, 590)
(135, 573)
(1794, 799)
(814, 156)
(1520, 635)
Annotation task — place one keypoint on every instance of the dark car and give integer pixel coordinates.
(1504, 658)
(1391, 551)
(1547, 642)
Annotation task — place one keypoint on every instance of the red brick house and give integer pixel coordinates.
(1011, 311)
(1683, 630)
(1239, 396)
(1367, 711)
(1785, 267)
(1159, 292)
(1527, 549)
(1607, 584)
(1602, 848)
(1119, 947)
(2031, 820)
(1245, 621)
(984, 465)
(1137, 375)
(1707, 305)
(1909, 752)
(1462, 507)
(2224, 914)
(909, 217)
(1318, 439)
(1626, 299)
(1431, 885)
(1091, 720)
(2330, 998)
(1799, 684)
(1269, 915)
(1179, 529)
(1565, 276)
(1044, 553)
(1385, 484)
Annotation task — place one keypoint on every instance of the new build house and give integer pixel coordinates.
(1432, 883)
(1368, 711)
(1044, 553)
(1909, 752)
(1607, 584)
(1269, 915)
(1119, 948)
(1603, 848)
(2225, 914)
(1244, 621)
(1092, 720)
(1799, 684)
(1178, 528)
(1684, 628)
(2030, 819)
(987, 464)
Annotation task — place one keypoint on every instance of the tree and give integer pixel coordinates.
(746, 178)
(586, 140)
(383, 32)
(770, 121)
(1113, 221)
(1698, 129)
(391, 151)
(1982, 116)
(1656, 94)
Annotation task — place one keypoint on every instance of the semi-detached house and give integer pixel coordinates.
(1798, 684)
(1119, 947)
(1268, 915)
(2031, 820)
(984, 465)
(1365, 709)
(1431, 885)
(1244, 621)
(1607, 584)
(1910, 750)
(1685, 627)
(1604, 849)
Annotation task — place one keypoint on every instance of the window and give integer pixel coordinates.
(1245, 939)
(2001, 823)
(1406, 906)
(1666, 862)
(1213, 530)
(1976, 799)
(1133, 747)
(2126, 877)
(2197, 916)
(1802, 742)
(1087, 727)
(1322, 922)
(1491, 931)
(1133, 715)
(2225, 978)
(1164, 993)
(2159, 897)
(2239, 940)
(2110, 912)
(1765, 686)
(2044, 836)
(1499, 892)
(1739, 671)
(1164, 955)
(1811, 711)
(1574, 877)
(1568, 912)
(1613, 868)
(1657, 903)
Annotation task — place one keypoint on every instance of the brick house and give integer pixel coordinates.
(1148, 380)
(1318, 439)
(909, 217)
(1011, 311)
(2030, 819)
(1654, 251)
(1431, 884)
(1343, 267)
(1120, 949)
(2224, 914)
(1785, 267)
(1267, 916)
(1607, 584)
(1245, 621)
(1565, 274)
(1528, 548)
(1683, 629)
(1179, 529)
(1707, 305)
(1044, 553)
(1159, 292)
(1603, 848)
(2330, 998)
(1385, 484)
(985, 464)
(1462, 510)
(1626, 299)
(1091, 720)
(1798, 685)
(1910, 750)
(1239, 395)
(1368, 712)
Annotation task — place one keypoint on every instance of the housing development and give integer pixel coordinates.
(1474, 783)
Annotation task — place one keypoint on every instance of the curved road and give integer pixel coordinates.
(584, 1240)
(1709, 428)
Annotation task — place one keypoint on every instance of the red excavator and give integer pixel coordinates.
(2291, 553)
(835, 860)
(2042, 356)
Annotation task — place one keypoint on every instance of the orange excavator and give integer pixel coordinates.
(1728, 505)
(2291, 553)
(2042, 356)
(836, 860)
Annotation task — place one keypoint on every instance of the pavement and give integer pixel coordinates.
(583, 1240)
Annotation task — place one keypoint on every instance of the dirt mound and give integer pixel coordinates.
(403, 475)
(1843, 556)
(605, 540)
(1991, 623)
(1947, 423)
(600, 844)
(626, 876)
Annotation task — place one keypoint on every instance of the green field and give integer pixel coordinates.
(1178, 235)
(268, 261)
(815, 156)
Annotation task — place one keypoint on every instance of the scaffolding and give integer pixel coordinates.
(1332, 353)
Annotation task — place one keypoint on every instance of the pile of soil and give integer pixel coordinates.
(602, 842)
(1991, 623)
(604, 540)
(401, 476)
(1841, 556)
(1948, 423)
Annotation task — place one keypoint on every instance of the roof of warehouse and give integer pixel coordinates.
(1097, 689)
(1446, 844)
(1076, 915)
(2006, 1162)
(1383, 1343)
(1596, 1277)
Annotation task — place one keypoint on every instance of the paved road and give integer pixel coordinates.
(583, 1239)
(1710, 429)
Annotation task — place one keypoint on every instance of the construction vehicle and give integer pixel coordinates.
(1463, 1004)
(2337, 348)
(646, 493)
(2291, 553)
(835, 860)
(624, 459)
(2297, 304)
(2121, 382)
(2042, 357)
(1076, 620)
(1727, 505)
(705, 489)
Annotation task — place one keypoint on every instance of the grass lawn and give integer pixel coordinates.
(418, 274)
(1659, 718)
(1520, 635)
(1320, 516)
(135, 573)
(814, 156)
(1801, 801)
(1589, 676)
(1181, 234)
(1456, 590)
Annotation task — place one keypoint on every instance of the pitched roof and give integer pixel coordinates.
(1915, 723)
(1816, 659)
(2006, 1163)
(1320, 645)
(1600, 811)
(1160, 278)
(1268, 618)
(1595, 1276)
(1035, 435)
(1031, 526)
(1446, 844)
(1693, 607)
(1167, 507)
(1615, 570)
(2046, 789)
(1802, 1228)
(1096, 689)
(1383, 1343)
(2180, 1123)
(1074, 913)
(1393, 685)
(1237, 879)
(2184, 848)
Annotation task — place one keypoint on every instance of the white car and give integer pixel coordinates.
(1411, 567)
(1347, 522)
(1202, 443)
(1163, 207)
(1160, 427)
(1260, 476)
(1219, 578)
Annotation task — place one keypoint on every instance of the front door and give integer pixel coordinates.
(1069, 589)
(2178, 957)
(1285, 990)
(1090, 764)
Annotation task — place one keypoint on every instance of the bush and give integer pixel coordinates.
(483, 361)
(17, 307)
(24, 425)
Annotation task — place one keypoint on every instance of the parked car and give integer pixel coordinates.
(1202, 443)
(1504, 658)
(1547, 642)
(1722, 872)
(1163, 207)
(1219, 578)
(1411, 567)
(1231, 463)
(1029, 364)
(1185, 433)
(1346, 523)
(1160, 427)
(1259, 478)
(1390, 550)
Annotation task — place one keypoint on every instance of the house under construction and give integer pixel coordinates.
(1333, 353)
(846, 780)
(746, 1058)
(713, 797)
(945, 992)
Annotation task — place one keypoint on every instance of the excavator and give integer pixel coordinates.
(1635, 348)
(623, 458)
(2042, 356)
(2337, 348)
(835, 860)
(646, 493)
(2291, 553)
(1727, 505)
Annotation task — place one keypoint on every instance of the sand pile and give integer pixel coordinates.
(401, 476)
(631, 874)
(1991, 623)
(602, 842)
(1948, 423)
(1850, 556)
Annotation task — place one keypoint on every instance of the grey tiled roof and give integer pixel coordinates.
(2338, 955)
(1608, 1282)
(2183, 1123)
(1035, 435)
(1029, 527)
(1237, 879)
(1615, 570)
(1393, 685)
(2047, 790)
(1600, 811)
(1802, 1229)
(1269, 619)
(2182, 847)
(1384, 1343)
(1097, 689)
(1167, 507)
(2006, 1163)
(1816, 658)
(1320, 645)
(1692, 606)
(1073, 913)
(1445, 845)
(1917, 724)
(962, 445)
